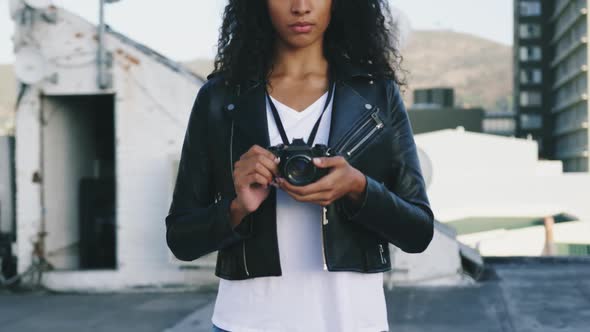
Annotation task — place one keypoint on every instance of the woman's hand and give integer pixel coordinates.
(253, 174)
(342, 180)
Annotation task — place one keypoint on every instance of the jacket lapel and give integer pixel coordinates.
(249, 115)
(348, 107)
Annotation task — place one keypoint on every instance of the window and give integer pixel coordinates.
(530, 98)
(529, 31)
(531, 76)
(530, 53)
(531, 121)
(499, 125)
(530, 8)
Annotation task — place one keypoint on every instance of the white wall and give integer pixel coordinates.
(485, 175)
(28, 161)
(152, 106)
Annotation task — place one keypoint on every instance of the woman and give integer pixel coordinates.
(300, 257)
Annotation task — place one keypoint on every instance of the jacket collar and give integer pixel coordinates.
(248, 111)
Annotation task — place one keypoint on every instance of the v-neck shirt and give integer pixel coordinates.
(305, 297)
(299, 114)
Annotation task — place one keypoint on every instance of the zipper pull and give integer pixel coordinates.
(381, 254)
(324, 222)
(379, 124)
(377, 119)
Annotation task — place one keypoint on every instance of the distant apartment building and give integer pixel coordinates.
(501, 123)
(551, 78)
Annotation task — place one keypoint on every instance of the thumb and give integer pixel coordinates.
(324, 162)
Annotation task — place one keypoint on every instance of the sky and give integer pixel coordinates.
(188, 29)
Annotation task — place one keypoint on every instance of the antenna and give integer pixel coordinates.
(104, 78)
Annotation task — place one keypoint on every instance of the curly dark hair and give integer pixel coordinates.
(246, 39)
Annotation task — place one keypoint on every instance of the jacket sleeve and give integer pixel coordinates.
(399, 209)
(196, 223)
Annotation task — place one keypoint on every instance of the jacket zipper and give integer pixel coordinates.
(244, 257)
(324, 222)
(350, 134)
(231, 164)
(378, 126)
(374, 116)
(381, 253)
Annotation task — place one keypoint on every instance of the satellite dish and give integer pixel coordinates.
(15, 7)
(425, 166)
(30, 65)
(38, 4)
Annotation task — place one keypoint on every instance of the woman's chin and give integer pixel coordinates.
(299, 41)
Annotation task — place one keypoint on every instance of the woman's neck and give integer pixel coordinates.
(299, 63)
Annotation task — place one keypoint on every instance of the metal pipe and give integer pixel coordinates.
(100, 57)
(550, 247)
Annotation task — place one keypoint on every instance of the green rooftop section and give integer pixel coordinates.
(471, 225)
(572, 249)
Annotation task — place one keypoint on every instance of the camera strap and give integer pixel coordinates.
(279, 124)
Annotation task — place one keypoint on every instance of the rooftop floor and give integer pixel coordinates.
(527, 294)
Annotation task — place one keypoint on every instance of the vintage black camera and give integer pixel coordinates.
(296, 161)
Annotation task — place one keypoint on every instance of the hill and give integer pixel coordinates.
(7, 98)
(7, 89)
(480, 70)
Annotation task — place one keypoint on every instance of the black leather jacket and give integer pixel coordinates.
(370, 121)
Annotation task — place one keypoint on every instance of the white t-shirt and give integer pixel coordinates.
(306, 297)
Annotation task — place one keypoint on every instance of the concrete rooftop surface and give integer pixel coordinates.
(517, 294)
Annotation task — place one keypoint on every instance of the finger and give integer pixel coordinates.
(242, 175)
(256, 164)
(257, 149)
(317, 198)
(294, 195)
(253, 178)
(259, 168)
(285, 185)
(252, 151)
(270, 162)
(324, 162)
(323, 184)
(291, 194)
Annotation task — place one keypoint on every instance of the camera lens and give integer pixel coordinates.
(300, 169)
